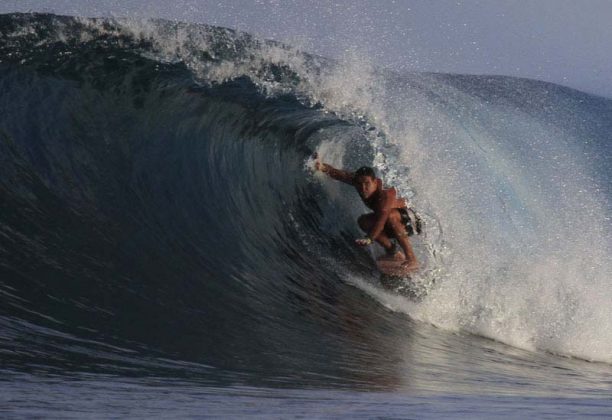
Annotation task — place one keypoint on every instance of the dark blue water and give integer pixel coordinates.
(165, 249)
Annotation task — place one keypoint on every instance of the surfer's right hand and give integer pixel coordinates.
(363, 241)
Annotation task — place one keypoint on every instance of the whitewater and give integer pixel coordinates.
(164, 239)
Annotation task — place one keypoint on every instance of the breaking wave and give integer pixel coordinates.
(157, 199)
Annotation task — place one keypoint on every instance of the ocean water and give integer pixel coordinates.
(166, 249)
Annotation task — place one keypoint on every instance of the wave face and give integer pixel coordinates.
(158, 209)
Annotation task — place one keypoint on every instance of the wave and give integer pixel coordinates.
(157, 198)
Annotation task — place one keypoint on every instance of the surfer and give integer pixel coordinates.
(391, 218)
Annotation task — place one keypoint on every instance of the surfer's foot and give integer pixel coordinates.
(397, 256)
(410, 265)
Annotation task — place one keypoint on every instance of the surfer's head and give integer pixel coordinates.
(365, 181)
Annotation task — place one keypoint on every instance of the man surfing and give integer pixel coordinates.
(391, 218)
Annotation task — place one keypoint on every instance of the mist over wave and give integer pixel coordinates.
(156, 197)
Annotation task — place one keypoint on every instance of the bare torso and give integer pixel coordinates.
(376, 201)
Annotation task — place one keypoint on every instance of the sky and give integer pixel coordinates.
(562, 41)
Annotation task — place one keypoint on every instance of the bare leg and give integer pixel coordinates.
(366, 222)
(394, 223)
(395, 226)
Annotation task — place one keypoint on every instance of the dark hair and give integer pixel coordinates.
(365, 171)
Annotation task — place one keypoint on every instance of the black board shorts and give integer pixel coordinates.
(411, 220)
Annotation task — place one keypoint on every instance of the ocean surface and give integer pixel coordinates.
(166, 249)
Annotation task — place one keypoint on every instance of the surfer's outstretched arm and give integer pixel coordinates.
(337, 174)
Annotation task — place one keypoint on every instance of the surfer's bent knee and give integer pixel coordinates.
(394, 223)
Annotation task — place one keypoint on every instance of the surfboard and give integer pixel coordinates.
(398, 279)
(393, 268)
